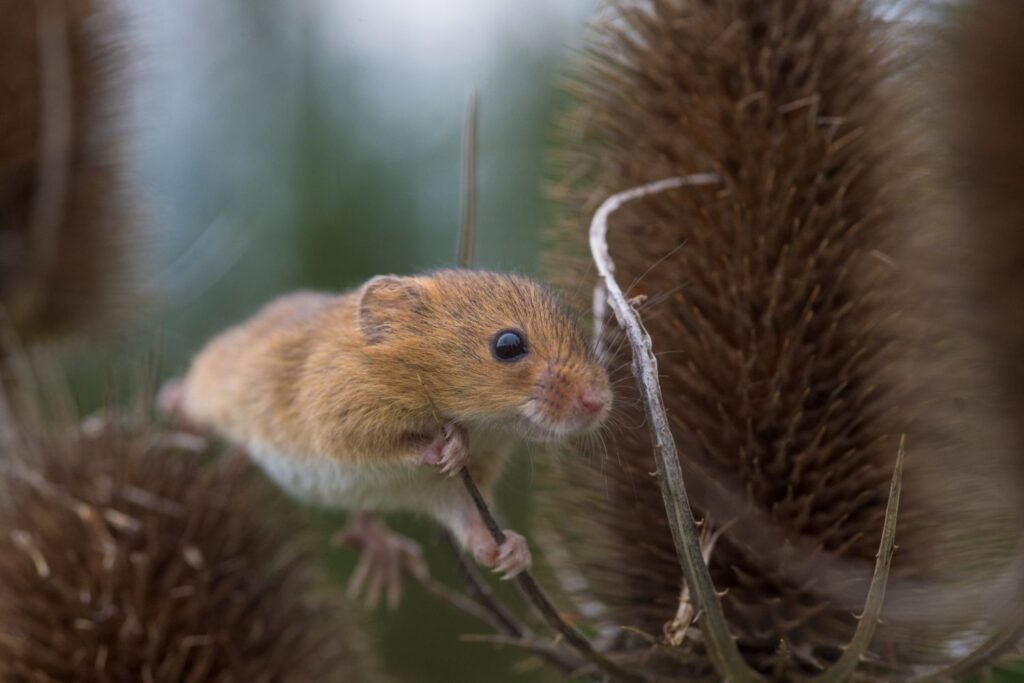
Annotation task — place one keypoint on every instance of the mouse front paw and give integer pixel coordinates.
(456, 449)
(449, 450)
(514, 556)
(510, 559)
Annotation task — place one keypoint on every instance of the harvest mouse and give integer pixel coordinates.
(367, 400)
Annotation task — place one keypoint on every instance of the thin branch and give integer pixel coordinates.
(549, 650)
(721, 647)
(467, 221)
(483, 594)
(459, 601)
(502, 619)
(854, 652)
(540, 601)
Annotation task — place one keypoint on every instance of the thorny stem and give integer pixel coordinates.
(851, 657)
(722, 648)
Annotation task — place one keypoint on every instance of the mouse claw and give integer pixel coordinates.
(456, 449)
(514, 556)
(384, 557)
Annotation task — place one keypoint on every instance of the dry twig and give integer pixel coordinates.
(855, 651)
(721, 646)
(542, 604)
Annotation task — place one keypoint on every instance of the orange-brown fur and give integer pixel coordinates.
(300, 375)
(355, 388)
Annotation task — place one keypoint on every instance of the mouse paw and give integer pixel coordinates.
(513, 556)
(384, 557)
(456, 449)
(449, 450)
(510, 558)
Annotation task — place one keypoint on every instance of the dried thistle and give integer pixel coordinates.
(64, 212)
(125, 557)
(774, 300)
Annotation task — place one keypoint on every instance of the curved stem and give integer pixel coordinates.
(721, 646)
(851, 657)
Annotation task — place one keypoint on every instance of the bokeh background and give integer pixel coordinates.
(315, 143)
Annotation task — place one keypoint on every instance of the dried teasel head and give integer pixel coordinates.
(125, 556)
(65, 213)
(778, 302)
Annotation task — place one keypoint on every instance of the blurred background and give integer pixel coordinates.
(313, 144)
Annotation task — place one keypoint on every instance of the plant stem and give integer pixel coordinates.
(721, 646)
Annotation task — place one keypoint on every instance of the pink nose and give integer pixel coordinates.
(591, 402)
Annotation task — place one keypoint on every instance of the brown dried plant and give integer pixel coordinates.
(777, 301)
(125, 555)
(65, 214)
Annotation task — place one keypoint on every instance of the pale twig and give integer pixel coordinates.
(858, 647)
(721, 647)
(686, 614)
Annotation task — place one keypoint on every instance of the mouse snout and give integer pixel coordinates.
(569, 400)
(593, 401)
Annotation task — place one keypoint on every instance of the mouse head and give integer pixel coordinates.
(488, 348)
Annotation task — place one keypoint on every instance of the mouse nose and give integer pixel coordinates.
(591, 401)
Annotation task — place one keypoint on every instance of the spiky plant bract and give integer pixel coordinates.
(65, 212)
(124, 557)
(774, 302)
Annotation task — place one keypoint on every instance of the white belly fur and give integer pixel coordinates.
(363, 486)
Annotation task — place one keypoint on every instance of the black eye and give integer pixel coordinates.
(509, 345)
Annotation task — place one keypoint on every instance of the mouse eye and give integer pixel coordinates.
(509, 345)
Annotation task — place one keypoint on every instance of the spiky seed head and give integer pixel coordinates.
(774, 303)
(126, 557)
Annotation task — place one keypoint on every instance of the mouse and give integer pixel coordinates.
(372, 399)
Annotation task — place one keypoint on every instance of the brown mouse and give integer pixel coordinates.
(366, 399)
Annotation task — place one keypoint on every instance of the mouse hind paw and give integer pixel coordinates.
(385, 557)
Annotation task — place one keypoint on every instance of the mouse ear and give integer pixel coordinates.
(384, 302)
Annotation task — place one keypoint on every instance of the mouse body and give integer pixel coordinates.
(366, 399)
